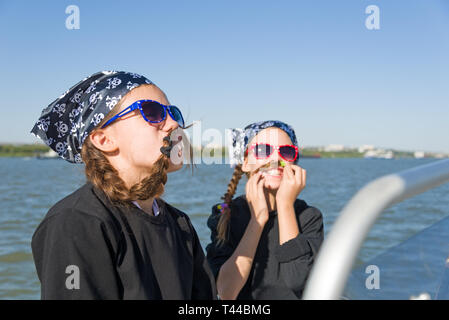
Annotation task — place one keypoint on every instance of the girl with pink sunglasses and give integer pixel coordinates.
(263, 243)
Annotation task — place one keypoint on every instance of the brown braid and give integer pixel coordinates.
(104, 176)
(226, 211)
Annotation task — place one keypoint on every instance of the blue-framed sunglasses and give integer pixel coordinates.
(152, 111)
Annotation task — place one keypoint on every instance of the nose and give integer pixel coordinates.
(170, 124)
(275, 155)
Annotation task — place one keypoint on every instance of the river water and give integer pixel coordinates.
(29, 187)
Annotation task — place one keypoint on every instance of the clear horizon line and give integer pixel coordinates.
(306, 146)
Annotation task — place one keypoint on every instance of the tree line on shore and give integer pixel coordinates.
(35, 150)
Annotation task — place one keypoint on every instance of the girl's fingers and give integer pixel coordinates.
(253, 183)
(260, 184)
(304, 176)
(249, 185)
(298, 171)
(256, 179)
(288, 172)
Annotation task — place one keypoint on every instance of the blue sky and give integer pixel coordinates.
(313, 64)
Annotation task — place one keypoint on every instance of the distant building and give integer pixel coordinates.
(334, 147)
(365, 147)
(441, 155)
(419, 154)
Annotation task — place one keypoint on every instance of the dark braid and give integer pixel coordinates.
(226, 207)
(104, 176)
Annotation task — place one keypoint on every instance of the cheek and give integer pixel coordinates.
(146, 154)
(142, 145)
(146, 150)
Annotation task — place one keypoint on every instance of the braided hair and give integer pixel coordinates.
(225, 207)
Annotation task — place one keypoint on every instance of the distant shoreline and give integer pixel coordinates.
(22, 150)
(37, 150)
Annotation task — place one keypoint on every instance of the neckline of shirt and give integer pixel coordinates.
(159, 219)
(155, 207)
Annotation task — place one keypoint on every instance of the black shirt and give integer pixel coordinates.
(278, 271)
(118, 253)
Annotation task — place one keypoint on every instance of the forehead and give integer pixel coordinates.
(274, 136)
(144, 92)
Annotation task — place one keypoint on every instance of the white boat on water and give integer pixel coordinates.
(50, 154)
(376, 154)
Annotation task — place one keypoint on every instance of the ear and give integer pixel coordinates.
(103, 141)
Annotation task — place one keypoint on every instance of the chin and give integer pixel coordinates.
(270, 184)
(176, 158)
(174, 167)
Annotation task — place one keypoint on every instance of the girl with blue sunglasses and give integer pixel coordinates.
(115, 237)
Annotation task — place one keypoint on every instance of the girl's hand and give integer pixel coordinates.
(256, 199)
(293, 182)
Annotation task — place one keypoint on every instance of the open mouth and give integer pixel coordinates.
(171, 143)
(272, 172)
(272, 169)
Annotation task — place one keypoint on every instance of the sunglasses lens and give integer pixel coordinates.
(262, 151)
(153, 111)
(288, 153)
(177, 115)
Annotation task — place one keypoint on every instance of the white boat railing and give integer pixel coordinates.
(336, 257)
